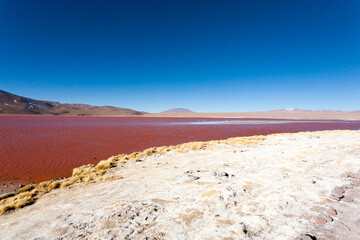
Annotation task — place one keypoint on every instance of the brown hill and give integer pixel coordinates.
(14, 104)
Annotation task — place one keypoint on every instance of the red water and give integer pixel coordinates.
(38, 148)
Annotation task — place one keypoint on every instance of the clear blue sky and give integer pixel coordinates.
(209, 56)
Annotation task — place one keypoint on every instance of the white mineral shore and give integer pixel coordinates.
(272, 189)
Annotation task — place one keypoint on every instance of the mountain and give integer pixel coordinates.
(295, 110)
(14, 104)
(178, 110)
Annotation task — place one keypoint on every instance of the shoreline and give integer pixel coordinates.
(315, 115)
(88, 172)
(91, 173)
(100, 168)
(288, 179)
(51, 147)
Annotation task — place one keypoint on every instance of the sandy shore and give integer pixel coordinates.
(284, 186)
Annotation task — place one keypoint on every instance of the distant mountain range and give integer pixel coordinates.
(178, 110)
(315, 111)
(287, 110)
(14, 104)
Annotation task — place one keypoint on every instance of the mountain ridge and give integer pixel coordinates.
(14, 104)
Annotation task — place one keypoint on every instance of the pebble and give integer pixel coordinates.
(347, 199)
(319, 220)
(331, 211)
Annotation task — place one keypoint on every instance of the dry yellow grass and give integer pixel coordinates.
(95, 173)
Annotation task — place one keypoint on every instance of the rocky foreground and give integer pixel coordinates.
(286, 186)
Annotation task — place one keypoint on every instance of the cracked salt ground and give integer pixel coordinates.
(274, 189)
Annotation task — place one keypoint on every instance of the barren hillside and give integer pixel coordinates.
(14, 104)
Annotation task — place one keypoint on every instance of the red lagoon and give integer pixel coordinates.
(39, 148)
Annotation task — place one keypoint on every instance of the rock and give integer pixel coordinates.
(335, 198)
(224, 174)
(244, 228)
(351, 175)
(347, 199)
(331, 211)
(326, 217)
(306, 237)
(338, 192)
(194, 177)
(348, 175)
(342, 227)
(319, 220)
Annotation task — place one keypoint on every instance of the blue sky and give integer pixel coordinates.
(209, 56)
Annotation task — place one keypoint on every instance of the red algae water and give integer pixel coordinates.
(39, 148)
